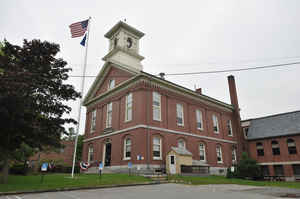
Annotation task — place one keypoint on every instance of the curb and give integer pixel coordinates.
(81, 188)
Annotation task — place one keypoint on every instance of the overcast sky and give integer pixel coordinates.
(181, 36)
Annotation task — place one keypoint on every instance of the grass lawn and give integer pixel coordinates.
(222, 180)
(53, 181)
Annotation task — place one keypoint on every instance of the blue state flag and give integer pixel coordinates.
(83, 40)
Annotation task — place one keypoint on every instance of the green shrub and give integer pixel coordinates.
(247, 168)
(18, 169)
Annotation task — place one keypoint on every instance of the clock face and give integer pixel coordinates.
(129, 42)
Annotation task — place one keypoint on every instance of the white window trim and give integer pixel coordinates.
(160, 151)
(230, 126)
(201, 119)
(124, 157)
(184, 144)
(204, 149)
(93, 121)
(180, 124)
(215, 119)
(109, 84)
(155, 106)
(221, 161)
(107, 114)
(126, 107)
(89, 152)
(234, 153)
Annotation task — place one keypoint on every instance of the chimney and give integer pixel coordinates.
(199, 91)
(233, 93)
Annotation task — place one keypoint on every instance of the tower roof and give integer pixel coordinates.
(127, 27)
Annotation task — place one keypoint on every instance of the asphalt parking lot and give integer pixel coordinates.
(167, 191)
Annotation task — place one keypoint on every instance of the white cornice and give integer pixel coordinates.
(163, 130)
(279, 163)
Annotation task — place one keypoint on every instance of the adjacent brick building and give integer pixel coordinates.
(274, 142)
(133, 116)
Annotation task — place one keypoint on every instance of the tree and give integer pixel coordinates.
(32, 97)
(246, 168)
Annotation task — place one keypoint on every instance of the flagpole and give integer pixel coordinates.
(81, 91)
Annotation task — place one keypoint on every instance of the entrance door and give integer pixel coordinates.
(107, 154)
(172, 164)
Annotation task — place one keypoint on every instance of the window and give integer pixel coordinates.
(156, 106)
(156, 148)
(215, 123)
(93, 121)
(91, 154)
(181, 143)
(265, 170)
(128, 111)
(275, 148)
(278, 169)
(109, 115)
(233, 154)
(219, 154)
(111, 84)
(199, 120)
(179, 114)
(229, 127)
(202, 152)
(296, 169)
(127, 149)
(260, 149)
(291, 146)
(246, 129)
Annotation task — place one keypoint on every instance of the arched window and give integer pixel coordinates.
(91, 154)
(202, 152)
(219, 154)
(260, 149)
(291, 146)
(181, 143)
(156, 148)
(275, 148)
(127, 149)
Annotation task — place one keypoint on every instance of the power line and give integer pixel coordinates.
(211, 72)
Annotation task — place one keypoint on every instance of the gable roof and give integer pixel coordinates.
(274, 126)
(140, 74)
(181, 151)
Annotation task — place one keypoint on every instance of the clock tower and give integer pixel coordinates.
(124, 46)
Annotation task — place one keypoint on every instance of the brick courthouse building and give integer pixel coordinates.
(133, 116)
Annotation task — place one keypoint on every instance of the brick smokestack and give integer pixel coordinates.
(199, 91)
(233, 93)
(241, 142)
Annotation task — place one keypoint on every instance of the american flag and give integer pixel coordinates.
(79, 28)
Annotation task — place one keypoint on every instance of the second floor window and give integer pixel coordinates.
(260, 149)
(156, 106)
(199, 120)
(215, 124)
(109, 115)
(275, 148)
(111, 84)
(127, 149)
(202, 152)
(128, 111)
(179, 115)
(291, 146)
(219, 154)
(156, 148)
(93, 121)
(229, 127)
